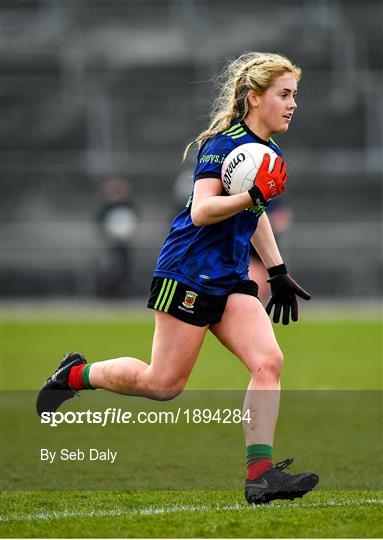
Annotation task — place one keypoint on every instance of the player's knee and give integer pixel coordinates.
(269, 367)
(167, 394)
(168, 391)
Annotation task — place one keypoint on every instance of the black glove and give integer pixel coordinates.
(284, 292)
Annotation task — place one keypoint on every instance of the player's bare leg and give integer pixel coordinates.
(175, 349)
(246, 330)
(176, 346)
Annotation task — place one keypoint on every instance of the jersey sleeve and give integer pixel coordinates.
(211, 157)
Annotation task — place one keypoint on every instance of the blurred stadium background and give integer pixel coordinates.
(104, 89)
(99, 99)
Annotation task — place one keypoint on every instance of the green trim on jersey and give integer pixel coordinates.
(166, 294)
(257, 210)
(272, 140)
(233, 128)
(241, 133)
(235, 132)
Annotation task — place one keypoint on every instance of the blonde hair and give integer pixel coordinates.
(251, 71)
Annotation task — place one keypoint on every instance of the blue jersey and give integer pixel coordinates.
(212, 258)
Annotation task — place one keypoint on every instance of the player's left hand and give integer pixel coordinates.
(284, 292)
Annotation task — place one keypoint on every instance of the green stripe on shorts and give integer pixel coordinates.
(171, 295)
(161, 292)
(165, 296)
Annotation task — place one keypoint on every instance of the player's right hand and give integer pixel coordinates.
(269, 184)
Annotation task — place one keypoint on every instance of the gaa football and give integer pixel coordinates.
(241, 166)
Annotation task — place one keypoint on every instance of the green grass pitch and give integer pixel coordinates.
(338, 359)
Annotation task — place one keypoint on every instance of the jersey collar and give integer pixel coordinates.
(252, 134)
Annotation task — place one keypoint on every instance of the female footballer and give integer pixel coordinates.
(201, 278)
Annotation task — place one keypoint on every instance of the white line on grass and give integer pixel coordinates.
(178, 508)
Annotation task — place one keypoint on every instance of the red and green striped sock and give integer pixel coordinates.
(79, 377)
(258, 460)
